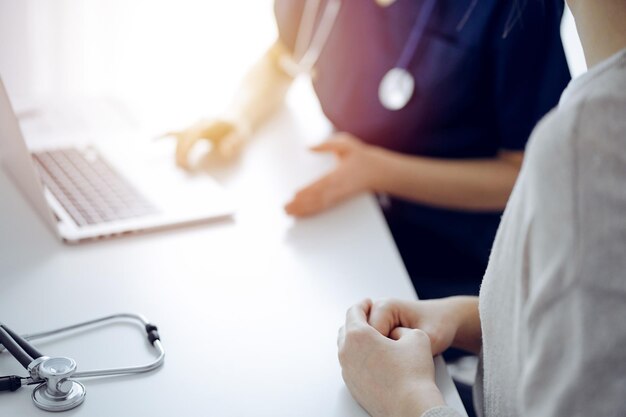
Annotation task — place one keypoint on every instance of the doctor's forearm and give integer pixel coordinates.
(262, 91)
(475, 185)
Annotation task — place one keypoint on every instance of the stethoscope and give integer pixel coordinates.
(57, 389)
(397, 86)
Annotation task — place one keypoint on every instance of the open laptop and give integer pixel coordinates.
(86, 194)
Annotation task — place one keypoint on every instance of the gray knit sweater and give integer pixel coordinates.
(553, 299)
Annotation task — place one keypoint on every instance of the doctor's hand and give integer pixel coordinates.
(388, 376)
(353, 175)
(226, 139)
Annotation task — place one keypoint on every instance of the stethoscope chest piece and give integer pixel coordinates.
(57, 388)
(396, 89)
(59, 392)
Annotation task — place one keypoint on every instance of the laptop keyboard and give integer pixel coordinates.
(88, 188)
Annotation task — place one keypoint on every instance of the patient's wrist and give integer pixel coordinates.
(421, 397)
(466, 318)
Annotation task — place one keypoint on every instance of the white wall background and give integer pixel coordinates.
(180, 56)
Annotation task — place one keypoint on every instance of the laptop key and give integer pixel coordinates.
(90, 190)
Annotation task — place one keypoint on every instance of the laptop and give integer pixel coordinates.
(85, 193)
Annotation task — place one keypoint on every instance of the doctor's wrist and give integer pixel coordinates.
(378, 162)
(241, 125)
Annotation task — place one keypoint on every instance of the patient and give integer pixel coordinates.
(550, 321)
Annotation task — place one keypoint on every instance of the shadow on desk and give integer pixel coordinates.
(23, 233)
(312, 234)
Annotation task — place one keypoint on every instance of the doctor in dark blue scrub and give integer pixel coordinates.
(432, 103)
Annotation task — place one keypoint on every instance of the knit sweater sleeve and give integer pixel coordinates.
(441, 412)
(572, 329)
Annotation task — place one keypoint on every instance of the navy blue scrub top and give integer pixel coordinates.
(477, 92)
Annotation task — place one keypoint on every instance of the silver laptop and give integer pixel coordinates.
(85, 193)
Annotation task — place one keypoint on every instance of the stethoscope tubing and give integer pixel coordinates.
(306, 56)
(416, 35)
(27, 347)
(127, 370)
(15, 348)
(87, 323)
(101, 372)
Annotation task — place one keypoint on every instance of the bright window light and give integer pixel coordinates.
(180, 56)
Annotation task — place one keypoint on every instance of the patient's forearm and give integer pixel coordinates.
(263, 89)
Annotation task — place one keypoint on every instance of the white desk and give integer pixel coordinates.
(248, 309)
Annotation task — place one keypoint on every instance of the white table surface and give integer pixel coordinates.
(248, 308)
